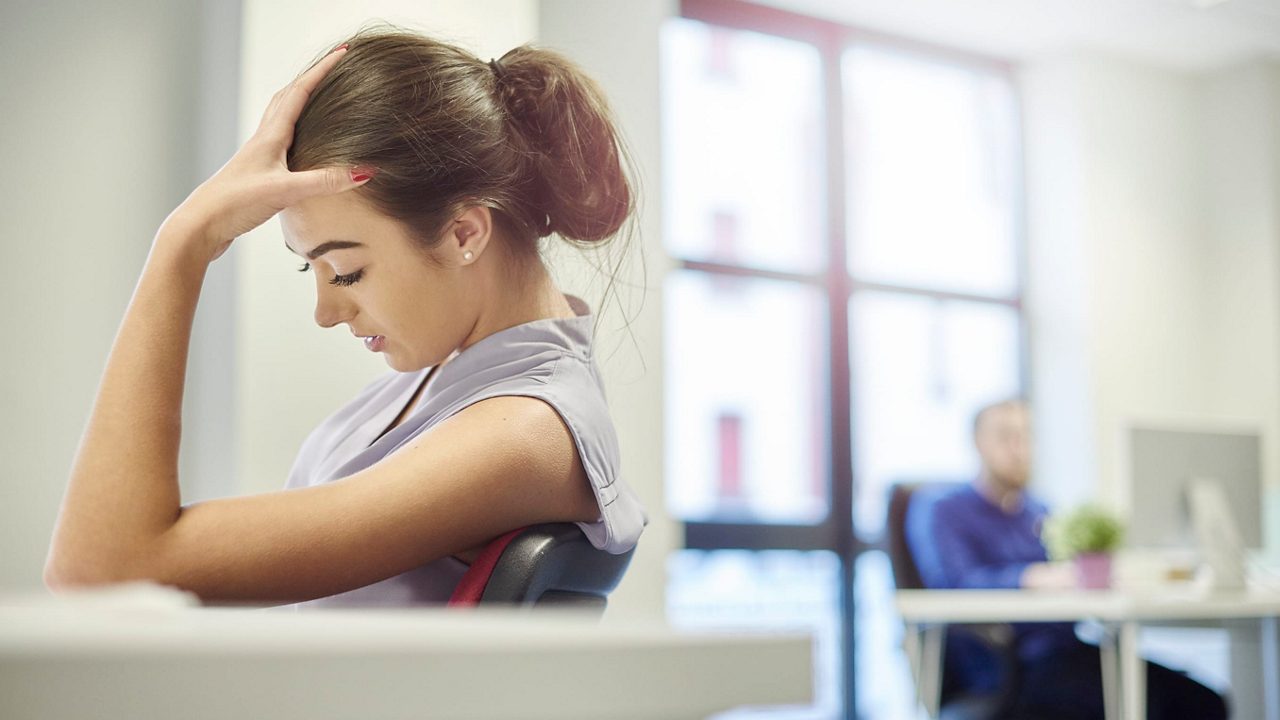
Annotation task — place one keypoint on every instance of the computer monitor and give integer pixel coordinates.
(1164, 463)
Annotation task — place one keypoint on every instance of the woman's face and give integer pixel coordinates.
(371, 277)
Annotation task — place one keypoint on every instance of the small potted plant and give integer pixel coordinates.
(1089, 536)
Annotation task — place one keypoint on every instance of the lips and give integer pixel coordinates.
(373, 342)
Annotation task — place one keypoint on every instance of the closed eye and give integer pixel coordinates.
(347, 279)
(338, 279)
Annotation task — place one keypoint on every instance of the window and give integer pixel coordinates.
(744, 395)
(844, 210)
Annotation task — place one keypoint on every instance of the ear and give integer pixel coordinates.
(467, 236)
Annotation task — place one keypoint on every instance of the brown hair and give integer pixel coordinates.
(529, 135)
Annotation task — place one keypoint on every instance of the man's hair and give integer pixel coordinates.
(981, 415)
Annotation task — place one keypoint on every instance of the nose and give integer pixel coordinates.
(331, 308)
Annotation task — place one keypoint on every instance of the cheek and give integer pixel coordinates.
(389, 298)
(412, 314)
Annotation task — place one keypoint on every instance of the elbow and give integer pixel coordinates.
(59, 581)
(71, 572)
(52, 578)
(80, 561)
(59, 578)
(63, 573)
(56, 576)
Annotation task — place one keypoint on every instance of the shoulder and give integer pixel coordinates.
(952, 499)
(945, 507)
(527, 438)
(519, 420)
(515, 423)
(570, 387)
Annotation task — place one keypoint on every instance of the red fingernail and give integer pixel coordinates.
(343, 46)
(360, 174)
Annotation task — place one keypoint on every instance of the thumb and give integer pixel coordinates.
(329, 181)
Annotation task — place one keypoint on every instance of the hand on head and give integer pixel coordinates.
(256, 184)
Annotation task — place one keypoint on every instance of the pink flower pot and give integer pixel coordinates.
(1093, 570)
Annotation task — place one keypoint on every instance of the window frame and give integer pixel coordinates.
(837, 532)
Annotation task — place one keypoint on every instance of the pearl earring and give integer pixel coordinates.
(468, 255)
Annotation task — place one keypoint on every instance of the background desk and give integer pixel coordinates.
(238, 663)
(1250, 617)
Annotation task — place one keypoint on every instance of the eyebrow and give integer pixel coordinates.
(325, 247)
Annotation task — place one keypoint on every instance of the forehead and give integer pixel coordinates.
(1013, 414)
(342, 217)
(1006, 415)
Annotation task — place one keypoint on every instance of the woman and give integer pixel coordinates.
(416, 181)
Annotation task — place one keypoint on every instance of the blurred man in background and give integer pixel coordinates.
(987, 535)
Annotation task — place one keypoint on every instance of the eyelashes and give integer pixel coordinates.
(338, 279)
(347, 279)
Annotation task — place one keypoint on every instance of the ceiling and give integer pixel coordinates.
(1185, 34)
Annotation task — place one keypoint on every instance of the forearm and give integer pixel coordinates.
(991, 577)
(123, 490)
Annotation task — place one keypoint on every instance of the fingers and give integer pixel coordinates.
(296, 94)
(271, 107)
(325, 181)
(286, 105)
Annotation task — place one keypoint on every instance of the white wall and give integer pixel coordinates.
(207, 462)
(1153, 270)
(101, 107)
(1058, 304)
(616, 41)
(1242, 194)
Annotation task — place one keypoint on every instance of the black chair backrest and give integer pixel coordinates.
(555, 564)
(906, 576)
(994, 642)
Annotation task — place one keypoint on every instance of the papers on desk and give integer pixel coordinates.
(1179, 572)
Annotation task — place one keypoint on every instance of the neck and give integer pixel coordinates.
(1007, 498)
(517, 301)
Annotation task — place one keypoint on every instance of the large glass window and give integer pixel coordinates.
(742, 147)
(923, 365)
(931, 170)
(746, 399)
(844, 214)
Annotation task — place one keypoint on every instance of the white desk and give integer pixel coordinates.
(197, 663)
(1251, 618)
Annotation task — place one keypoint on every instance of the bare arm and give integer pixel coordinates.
(498, 464)
(123, 490)
(501, 463)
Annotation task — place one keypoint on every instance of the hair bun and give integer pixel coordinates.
(576, 165)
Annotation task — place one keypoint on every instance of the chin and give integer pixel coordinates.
(395, 363)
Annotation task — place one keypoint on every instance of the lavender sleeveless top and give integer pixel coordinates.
(550, 359)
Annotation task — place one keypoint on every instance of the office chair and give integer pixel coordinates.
(997, 639)
(541, 565)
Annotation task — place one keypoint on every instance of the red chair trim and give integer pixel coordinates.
(471, 587)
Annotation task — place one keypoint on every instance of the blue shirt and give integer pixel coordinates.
(961, 540)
